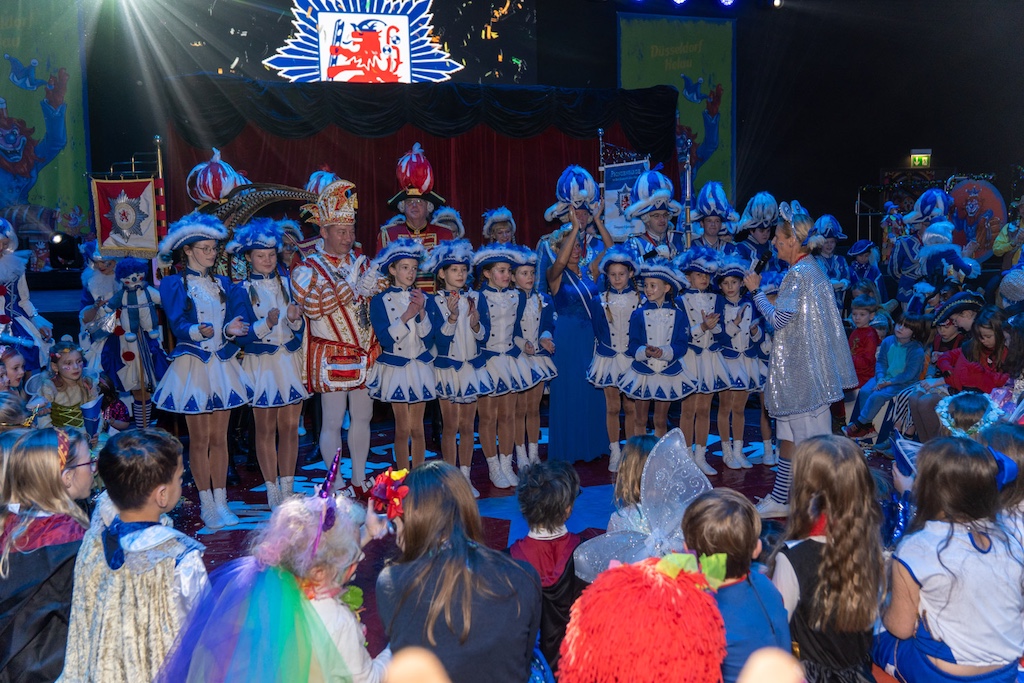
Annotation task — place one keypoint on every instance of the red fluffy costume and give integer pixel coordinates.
(644, 622)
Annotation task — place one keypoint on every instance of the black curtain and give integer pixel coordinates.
(210, 111)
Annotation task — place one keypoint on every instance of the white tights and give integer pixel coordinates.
(360, 407)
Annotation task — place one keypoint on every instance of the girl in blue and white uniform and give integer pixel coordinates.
(610, 315)
(658, 338)
(536, 363)
(403, 374)
(459, 372)
(273, 352)
(703, 360)
(739, 341)
(501, 308)
(205, 380)
(834, 265)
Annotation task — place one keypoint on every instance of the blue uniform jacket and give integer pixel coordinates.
(239, 299)
(724, 339)
(441, 343)
(485, 322)
(638, 337)
(602, 331)
(182, 317)
(382, 328)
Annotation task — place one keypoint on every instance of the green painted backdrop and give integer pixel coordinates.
(49, 32)
(657, 50)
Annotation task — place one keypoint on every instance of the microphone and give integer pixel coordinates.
(763, 261)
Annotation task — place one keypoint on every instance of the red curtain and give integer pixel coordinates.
(476, 171)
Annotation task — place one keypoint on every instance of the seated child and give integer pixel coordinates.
(900, 365)
(628, 515)
(136, 577)
(966, 414)
(724, 521)
(41, 529)
(957, 610)
(546, 494)
(285, 607)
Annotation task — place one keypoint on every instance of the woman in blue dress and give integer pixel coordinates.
(575, 418)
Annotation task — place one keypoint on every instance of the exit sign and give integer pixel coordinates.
(920, 158)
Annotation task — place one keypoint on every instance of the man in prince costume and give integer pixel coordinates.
(339, 343)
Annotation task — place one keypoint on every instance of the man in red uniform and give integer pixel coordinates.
(416, 201)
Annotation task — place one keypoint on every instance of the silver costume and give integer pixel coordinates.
(810, 363)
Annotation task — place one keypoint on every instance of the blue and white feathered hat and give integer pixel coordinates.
(449, 253)
(500, 215)
(621, 253)
(258, 233)
(652, 191)
(523, 255)
(290, 228)
(494, 253)
(762, 212)
(933, 205)
(732, 266)
(575, 188)
(699, 259)
(91, 252)
(664, 270)
(451, 219)
(770, 281)
(861, 247)
(940, 232)
(8, 233)
(711, 201)
(195, 227)
(402, 248)
(828, 227)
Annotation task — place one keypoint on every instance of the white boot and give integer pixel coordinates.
(286, 487)
(496, 473)
(220, 500)
(727, 456)
(614, 456)
(700, 458)
(506, 469)
(737, 455)
(522, 459)
(531, 451)
(465, 473)
(273, 495)
(208, 511)
(770, 456)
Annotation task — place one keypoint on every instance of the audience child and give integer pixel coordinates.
(864, 266)
(978, 364)
(865, 288)
(403, 375)
(547, 492)
(703, 360)
(41, 529)
(628, 515)
(536, 364)
(863, 339)
(967, 414)
(741, 334)
(67, 386)
(136, 577)
(830, 569)
(882, 324)
(657, 344)
(724, 521)
(459, 370)
(900, 364)
(610, 315)
(477, 609)
(114, 411)
(283, 611)
(956, 611)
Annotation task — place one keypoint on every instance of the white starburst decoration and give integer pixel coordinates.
(126, 215)
(362, 41)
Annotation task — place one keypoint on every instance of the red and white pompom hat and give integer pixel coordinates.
(213, 180)
(415, 179)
